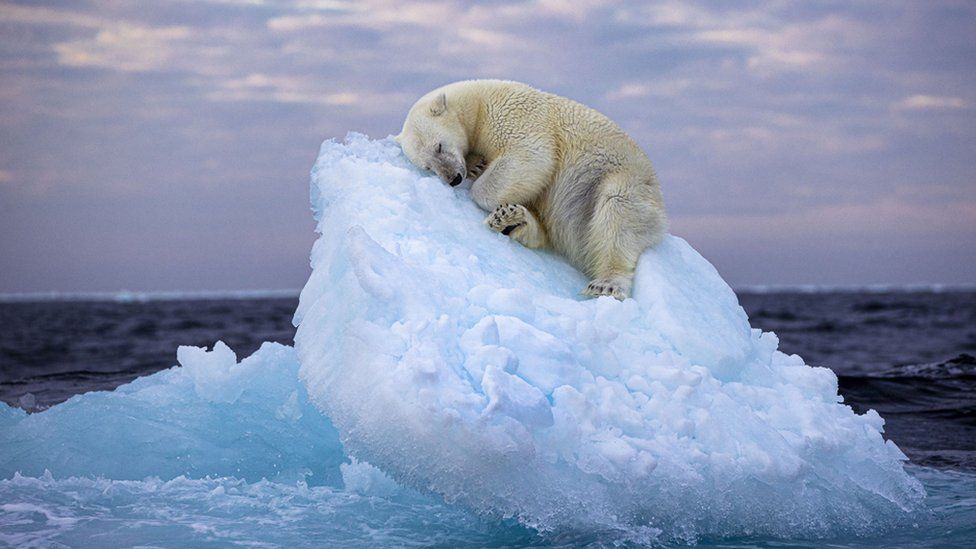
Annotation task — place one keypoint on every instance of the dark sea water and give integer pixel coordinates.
(56, 349)
(908, 355)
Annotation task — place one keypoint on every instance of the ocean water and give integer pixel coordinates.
(907, 354)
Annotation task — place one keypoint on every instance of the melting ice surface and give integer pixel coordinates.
(449, 387)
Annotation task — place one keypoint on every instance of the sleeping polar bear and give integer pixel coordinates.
(552, 172)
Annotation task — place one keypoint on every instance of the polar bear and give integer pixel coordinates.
(551, 172)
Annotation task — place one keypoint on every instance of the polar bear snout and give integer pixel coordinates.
(450, 169)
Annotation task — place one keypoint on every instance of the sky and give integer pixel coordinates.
(166, 145)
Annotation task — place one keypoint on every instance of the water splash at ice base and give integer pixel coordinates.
(464, 367)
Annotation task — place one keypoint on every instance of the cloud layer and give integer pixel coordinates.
(165, 145)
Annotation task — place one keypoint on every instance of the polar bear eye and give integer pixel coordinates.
(438, 148)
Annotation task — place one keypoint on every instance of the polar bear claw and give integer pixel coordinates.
(613, 287)
(476, 166)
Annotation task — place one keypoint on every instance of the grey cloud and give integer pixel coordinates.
(166, 145)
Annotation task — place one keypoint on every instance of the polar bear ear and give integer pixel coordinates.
(439, 105)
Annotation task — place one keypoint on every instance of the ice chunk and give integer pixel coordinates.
(460, 362)
(27, 402)
(213, 416)
(364, 479)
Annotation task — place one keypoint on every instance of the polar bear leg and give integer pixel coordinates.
(516, 221)
(513, 178)
(623, 225)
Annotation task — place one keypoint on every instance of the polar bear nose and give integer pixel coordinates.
(457, 180)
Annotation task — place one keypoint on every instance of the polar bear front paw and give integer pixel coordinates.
(476, 166)
(475, 171)
(507, 217)
(613, 287)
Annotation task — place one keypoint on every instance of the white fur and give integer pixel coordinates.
(552, 172)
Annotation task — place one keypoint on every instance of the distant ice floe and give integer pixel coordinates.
(460, 362)
(127, 296)
(859, 289)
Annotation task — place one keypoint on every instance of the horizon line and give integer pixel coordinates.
(131, 296)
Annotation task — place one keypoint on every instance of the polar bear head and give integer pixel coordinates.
(434, 138)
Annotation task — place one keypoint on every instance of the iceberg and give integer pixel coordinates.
(212, 416)
(463, 364)
(441, 368)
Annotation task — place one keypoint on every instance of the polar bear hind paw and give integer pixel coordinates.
(507, 217)
(613, 287)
